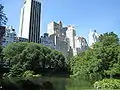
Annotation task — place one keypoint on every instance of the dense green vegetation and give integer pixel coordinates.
(108, 84)
(28, 58)
(100, 61)
(48, 83)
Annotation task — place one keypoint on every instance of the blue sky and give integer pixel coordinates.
(102, 15)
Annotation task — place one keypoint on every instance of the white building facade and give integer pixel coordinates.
(80, 45)
(93, 37)
(71, 33)
(57, 34)
(65, 39)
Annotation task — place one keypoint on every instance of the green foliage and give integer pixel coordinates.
(107, 84)
(3, 18)
(109, 38)
(30, 74)
(31, 56)
(101, 61)
(16, 71)
(14, 49)
(0, 51)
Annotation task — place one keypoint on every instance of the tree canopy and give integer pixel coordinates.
(103, 60)
(31, 56)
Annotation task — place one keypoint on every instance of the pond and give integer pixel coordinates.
(48, 83)
(60, 83)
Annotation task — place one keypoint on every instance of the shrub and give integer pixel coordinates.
(37, 75)
(30, 74)
(107, 84)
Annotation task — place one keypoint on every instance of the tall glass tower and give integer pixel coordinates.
(30, 20)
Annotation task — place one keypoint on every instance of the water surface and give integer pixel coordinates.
(61, 83)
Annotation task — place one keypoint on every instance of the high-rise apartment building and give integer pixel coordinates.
(71, 33)
(80, 44)
(30, 20)
(57, 33)
(65, 39)
(54, 28)
(10, 36)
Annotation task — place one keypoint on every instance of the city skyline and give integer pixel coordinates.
(100, 15)
(64, 39)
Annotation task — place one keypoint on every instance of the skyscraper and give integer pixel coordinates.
(71, 33)
(30, 20)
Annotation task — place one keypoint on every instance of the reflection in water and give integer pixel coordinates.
(7, 85)
(65, 83)
(29, 85)
(49, 83)
(57, 83)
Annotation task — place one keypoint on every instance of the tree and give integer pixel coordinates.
(3, 18)
(108, 52)
(33, 57)
(101, 61)
(0, 50)
(1, 54)
(108, 38)
(14, 49)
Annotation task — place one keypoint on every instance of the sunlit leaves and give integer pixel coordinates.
(100, 61)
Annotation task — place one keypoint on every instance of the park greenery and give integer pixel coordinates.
(107, 84)
(100, 61)
(31, 59)
(99, 64)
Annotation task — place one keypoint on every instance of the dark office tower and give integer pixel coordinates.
(30, 20)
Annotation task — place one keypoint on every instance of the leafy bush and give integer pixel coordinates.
(107, 84)
(30, 74)
(37, 75)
